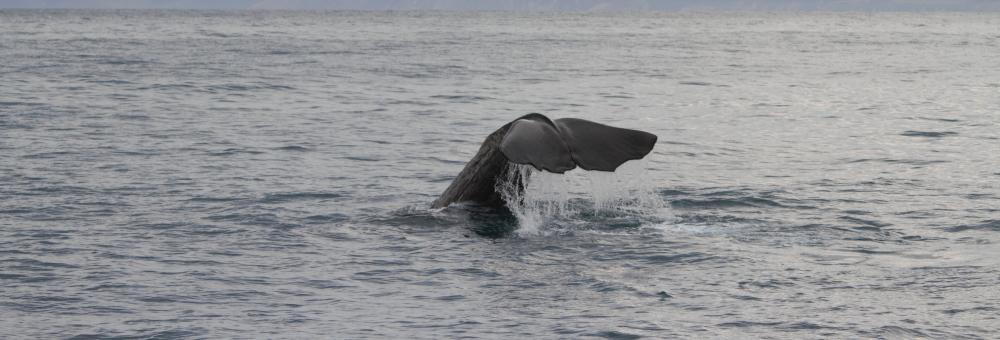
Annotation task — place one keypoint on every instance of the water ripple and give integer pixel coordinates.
(228, 174)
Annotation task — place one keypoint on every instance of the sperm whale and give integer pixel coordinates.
(551, 145)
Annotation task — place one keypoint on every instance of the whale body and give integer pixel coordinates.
(551, 145)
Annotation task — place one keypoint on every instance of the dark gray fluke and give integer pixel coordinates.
(534, 139)
(554, 146)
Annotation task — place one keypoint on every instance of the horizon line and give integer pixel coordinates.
(601, 10)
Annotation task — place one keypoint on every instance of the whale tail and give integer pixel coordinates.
(562, 145)
(554, 146)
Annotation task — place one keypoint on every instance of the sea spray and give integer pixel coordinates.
(532, 196)
(535, 197)
(626, 190)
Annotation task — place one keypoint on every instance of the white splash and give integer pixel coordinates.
(547, 195)
(626, 190)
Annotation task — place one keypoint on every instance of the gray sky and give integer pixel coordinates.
(527, 5)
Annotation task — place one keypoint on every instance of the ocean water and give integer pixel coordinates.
(200, 174)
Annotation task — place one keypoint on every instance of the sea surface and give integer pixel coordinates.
(267, 174)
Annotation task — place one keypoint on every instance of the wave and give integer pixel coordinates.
(929, 134)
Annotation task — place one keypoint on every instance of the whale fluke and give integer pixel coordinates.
(554, 146)
(535, 140)
(596, 146)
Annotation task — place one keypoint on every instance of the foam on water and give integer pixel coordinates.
(536, 197)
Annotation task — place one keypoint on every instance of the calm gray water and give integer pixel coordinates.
(173, 174)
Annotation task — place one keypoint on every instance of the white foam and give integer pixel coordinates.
(546, 195)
